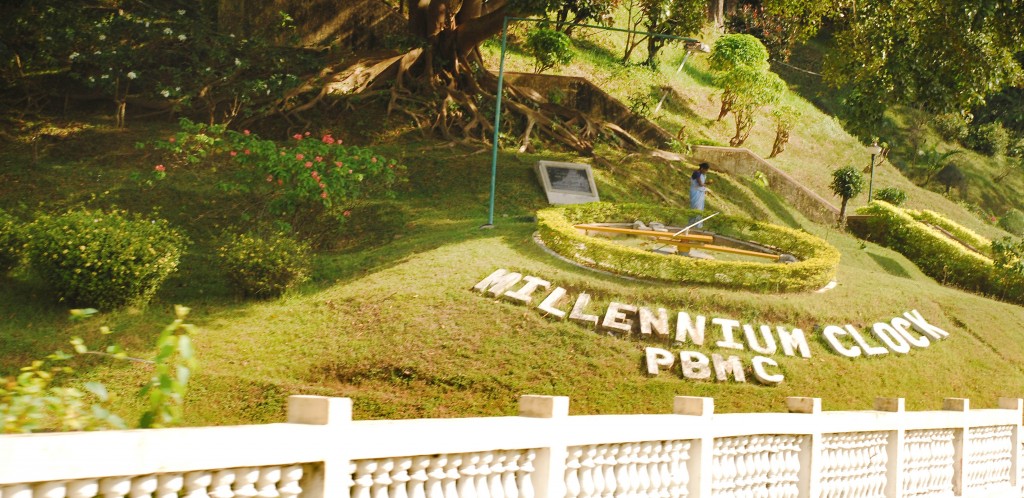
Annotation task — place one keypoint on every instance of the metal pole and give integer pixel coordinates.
(871, 182)
(498, 122)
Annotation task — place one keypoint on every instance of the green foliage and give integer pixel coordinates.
(37, 399)
(931, 54)
(173, 365)
(672, 18)
(735, 50)
(951, 126)
(893, 195)
(941, 257)
(951, 176)
(549, 48)
(265, 265)
(640, 103)
(1013, 222)
(847, 182)
(10, 242)
(816, 266)
(310, 171)
(375, 222)
(959, 231)
(785, 117)
(104, 259)
(781, 24)
(989, 139)
(173, 54)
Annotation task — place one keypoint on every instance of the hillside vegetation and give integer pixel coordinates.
(392, 322)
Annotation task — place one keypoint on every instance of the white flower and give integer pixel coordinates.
(181, 12)
(103, 37)
(132, 75)
(73, 56)
(49, 38)
(165, 93)
(177, 89)
(92, 80)
(232, 35)
(238, 62)
(147, 24)
(182, 38)
(168, 31)
(97, 53)
(105, 76)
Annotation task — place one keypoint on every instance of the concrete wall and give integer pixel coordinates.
(743, 162)
(542, 453)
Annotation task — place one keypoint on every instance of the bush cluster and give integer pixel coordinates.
(959, 231)
(10, 242)
(893, 195)
(816, 266)
(952, 127)
(990, 139)
(1013, 222)
(265, 266)
(939, 256)
(103, 259)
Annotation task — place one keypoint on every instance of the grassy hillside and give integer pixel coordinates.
(396, 327)
(818, 143)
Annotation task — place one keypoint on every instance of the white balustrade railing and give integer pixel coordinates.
(543, 453)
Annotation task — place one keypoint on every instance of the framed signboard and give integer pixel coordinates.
(567, 183)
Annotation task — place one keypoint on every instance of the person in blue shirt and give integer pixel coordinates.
(699, 189)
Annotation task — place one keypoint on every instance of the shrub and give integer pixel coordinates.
(549, 48)
(990, 139)
(817, 265)
(104, 259)
(10, 242)
(952, 127)
(265, 266)
(893, 195)
(959, 231)
(1013, 222)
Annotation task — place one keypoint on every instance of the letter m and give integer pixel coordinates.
(498, 282)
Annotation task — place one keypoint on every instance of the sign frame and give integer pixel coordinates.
(557, 195)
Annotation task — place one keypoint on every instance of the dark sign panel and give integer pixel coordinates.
(568, 179)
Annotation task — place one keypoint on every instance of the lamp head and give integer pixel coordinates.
(874, 149)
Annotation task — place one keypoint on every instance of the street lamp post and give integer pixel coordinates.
(874, 150)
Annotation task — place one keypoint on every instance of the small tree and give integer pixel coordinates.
(785, 118)
(847, 182)
(549, 49)
(747, 89)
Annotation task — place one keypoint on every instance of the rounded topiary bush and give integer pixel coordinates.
(893, 195)
(952, 127)
(10, 242)
(1013, 222)
(990, 139)
(103, 259)
(265, 266)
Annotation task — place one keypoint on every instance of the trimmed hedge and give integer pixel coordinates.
(961, 232)
(103, 259)
(937, 255)
(265, 266)
(817, 265)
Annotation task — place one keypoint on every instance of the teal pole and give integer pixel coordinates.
(497, 121)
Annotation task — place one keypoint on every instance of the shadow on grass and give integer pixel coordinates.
(891, 266)
(777, 207)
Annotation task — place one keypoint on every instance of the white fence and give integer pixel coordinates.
(543, 453)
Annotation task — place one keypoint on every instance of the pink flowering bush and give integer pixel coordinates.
(305, 175)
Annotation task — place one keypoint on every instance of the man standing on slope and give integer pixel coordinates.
(698, 188)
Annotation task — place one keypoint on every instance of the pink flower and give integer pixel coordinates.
(315, 175)
(319, 159)
(337, 163)
(373, 159)
(323, 195)
(350, 172)
(347, 213)
(328, 139)
(299, 157)
(282, 152)
(171, 140)
(233, 153)
(307, 133)
(322, 185)
(246, 152)
(160, 168)
(280, 181)
(297, 136)
(309, 164)
(270, 178)
(245, 132)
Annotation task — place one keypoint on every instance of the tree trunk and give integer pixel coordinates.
(716, 12)
(842, 211)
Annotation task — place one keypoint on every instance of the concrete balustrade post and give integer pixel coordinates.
(1016, 404)
(549, 465)
(335, 414)
(961, 444)
(702, 450)
(895, 447)
(810, 451)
